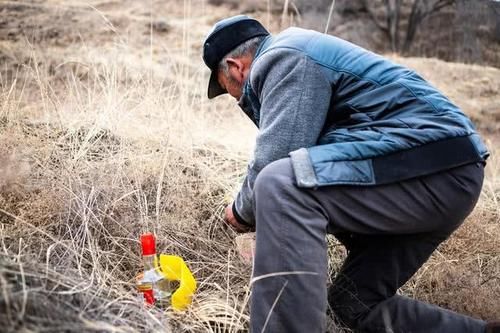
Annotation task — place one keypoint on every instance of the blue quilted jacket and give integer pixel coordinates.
(385, 122)
(347, 116)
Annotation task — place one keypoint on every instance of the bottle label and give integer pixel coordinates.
(141, 284)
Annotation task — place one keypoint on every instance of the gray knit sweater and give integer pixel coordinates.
(295, 97)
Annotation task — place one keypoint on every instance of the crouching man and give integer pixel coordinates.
(350, 144)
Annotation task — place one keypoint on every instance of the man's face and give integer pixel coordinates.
(232, 86)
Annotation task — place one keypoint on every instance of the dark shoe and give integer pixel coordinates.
(493, 326)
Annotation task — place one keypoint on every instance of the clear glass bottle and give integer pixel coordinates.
(154, 286)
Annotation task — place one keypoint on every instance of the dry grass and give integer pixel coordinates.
(70, 226)
(105, 138)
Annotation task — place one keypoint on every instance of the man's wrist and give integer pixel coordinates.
(238, 218)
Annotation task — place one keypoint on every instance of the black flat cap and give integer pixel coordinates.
(225, 36)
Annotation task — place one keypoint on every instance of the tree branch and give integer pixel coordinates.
(379, 25)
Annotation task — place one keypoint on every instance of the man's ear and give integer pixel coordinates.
(234, 62)
(236, 68)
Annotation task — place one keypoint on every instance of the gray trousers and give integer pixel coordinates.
(389, 232)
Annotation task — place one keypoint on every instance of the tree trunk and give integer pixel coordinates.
(393, 8)
(419, 11)
(413, 22)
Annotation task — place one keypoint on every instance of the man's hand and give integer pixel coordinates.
(232, 222)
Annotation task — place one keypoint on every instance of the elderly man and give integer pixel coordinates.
(350, 144)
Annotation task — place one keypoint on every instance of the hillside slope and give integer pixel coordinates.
(106, 132)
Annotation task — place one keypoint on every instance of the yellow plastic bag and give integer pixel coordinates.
(175, 269)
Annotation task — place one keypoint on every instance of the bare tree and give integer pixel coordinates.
(399, 13)
(421, 9)
(393, 10)
(495, 8)
(388, 19)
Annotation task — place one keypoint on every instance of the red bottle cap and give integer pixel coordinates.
(148, 297)
(148, 244)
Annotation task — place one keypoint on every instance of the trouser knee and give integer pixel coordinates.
(276, 177)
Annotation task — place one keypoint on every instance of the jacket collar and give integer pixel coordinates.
(248, 101)
(263, 46)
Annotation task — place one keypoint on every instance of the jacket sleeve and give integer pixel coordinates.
(295, 96)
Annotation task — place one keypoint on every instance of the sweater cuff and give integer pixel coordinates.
(239, 218)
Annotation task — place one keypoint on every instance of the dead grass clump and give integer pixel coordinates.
(14, 167)
(92, 243)
(35, 296)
